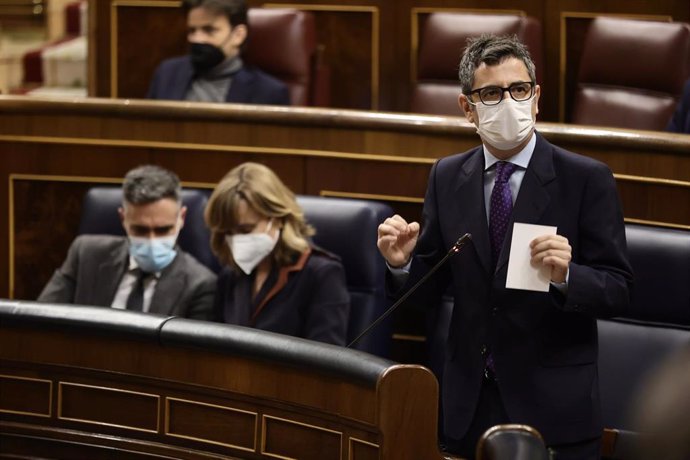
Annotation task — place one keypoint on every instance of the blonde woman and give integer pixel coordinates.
(274, 278)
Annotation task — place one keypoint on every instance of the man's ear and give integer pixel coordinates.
(121, 215)
(183, 214)
(466, 107)
(537, 95)
(239, 34)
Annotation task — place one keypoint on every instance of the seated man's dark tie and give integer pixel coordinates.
(135, 301)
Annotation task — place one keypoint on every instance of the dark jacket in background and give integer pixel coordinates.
(95, 264)
(680, 123)
(308, 299)
(174, 76)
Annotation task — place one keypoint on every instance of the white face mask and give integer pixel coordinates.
(249, 249)
(505, 125)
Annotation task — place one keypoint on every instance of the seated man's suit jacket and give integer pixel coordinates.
(680, 123)
(544, 344)
(249, 85)
(95, 265)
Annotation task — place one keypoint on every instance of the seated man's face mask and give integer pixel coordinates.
(152, 230)
(212, 38)
(153, 254)
(205, 56)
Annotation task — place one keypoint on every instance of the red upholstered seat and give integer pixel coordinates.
(31, 61)
(631, 73)
(441, 44)
(282, 42)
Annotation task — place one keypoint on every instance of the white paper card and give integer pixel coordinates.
(521, 274)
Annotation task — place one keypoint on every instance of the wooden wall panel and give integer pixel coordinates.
(212, 423)
(25, 395)
(38, 207)
(143, 34)
(106, 405)
(288, 439)
(362, 450)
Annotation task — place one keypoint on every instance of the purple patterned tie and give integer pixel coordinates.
(501, 207)
(499, 214)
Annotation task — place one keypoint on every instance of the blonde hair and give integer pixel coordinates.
(266, 194)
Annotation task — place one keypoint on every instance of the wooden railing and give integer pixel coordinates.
(100, 383)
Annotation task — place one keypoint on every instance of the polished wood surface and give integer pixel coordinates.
(368, 44)
(54, 150)
(107, 393)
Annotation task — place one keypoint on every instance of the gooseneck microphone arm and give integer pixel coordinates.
(462, 241)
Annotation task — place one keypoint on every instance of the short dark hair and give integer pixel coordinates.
(491, 50)
(234, 10)
(149, 183)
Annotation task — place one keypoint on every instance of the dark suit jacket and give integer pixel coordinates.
(544, 344)
(308, 299)
(680, 123)
(249, 85)
(95, 265)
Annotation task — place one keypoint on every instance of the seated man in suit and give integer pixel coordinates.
(214, 71)
(144, 271)
(680, 123)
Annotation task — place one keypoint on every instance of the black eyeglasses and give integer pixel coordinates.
(493, 95)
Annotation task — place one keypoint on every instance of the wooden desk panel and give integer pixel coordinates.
(118, 392)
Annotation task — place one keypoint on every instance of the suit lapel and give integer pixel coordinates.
(184, 80)
(109, 274)
(533, 197)
(170, 287)
(470, 209)
(240, 87)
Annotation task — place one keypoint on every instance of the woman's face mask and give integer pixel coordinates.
(249, 249)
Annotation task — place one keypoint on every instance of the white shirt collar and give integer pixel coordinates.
(521, 158)
(133, 265)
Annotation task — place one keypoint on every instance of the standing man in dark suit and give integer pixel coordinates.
(144, 271)
(515, 355)
(680, 122)
(214, 71)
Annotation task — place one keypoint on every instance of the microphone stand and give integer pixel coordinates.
(462, 241)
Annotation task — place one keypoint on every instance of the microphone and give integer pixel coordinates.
(462, 241)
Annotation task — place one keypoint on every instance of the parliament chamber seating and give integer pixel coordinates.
(59, 67)
(630, 347)
(657, 324)
(441, 44)
(631, 73)
(282, 42)
(348, 228)
(511, 442)
(344, 227)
